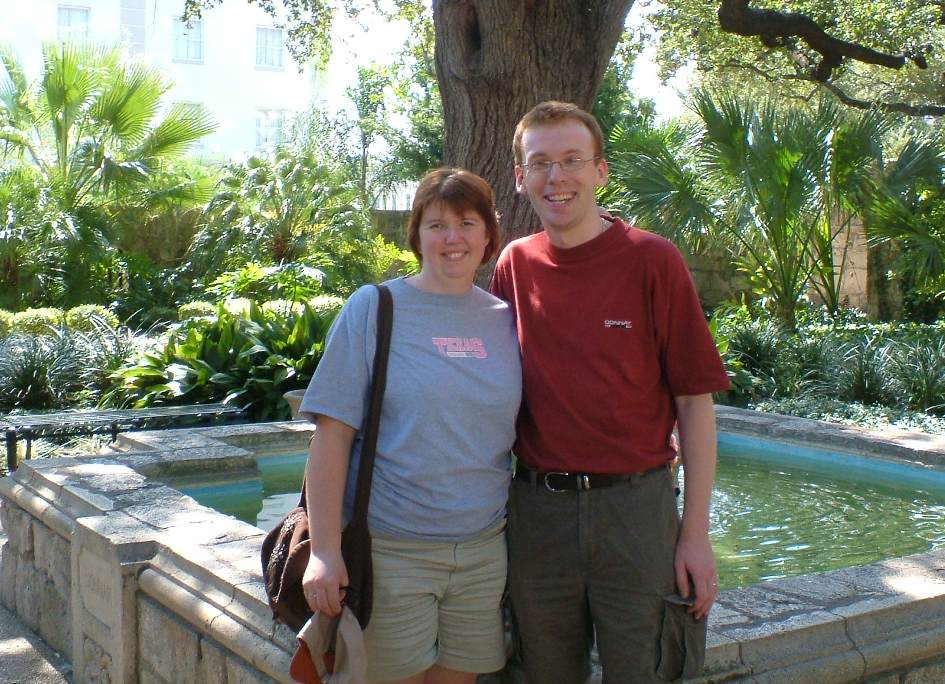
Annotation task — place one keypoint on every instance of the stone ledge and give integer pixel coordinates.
(888, 444)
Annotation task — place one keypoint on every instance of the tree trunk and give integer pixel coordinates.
(884, 295)
(496, 59)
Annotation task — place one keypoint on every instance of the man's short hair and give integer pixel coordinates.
(460, 190)
(553, 112)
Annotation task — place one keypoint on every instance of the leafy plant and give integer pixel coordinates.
(775, 184)
(274, 211)
(864, 373)
(919, 368)
(91, 133)
(39, 372)
(249, 359)
(42, 321)
(195, 310)
(293, 281)
(6, 322)
(88, 318)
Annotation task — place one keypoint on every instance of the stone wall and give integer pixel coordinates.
(161, 590)
(184, 656)
(35, 577)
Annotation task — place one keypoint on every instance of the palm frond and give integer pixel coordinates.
(129, 102)
(184, 125)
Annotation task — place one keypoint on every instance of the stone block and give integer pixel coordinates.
(722, 654)
(211, 662)
(27, 599)
(8, 563)
(759, 602)
(774, 645)
(19, 531)
(167, 648)
(55, 618)
(97, 664)
(928, 674)
(242, 555)
(822, 588)
(50, 551)
(238, 672)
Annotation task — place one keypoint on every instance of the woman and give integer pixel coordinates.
(442, 468)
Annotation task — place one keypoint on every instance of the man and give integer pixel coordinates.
(615, 352)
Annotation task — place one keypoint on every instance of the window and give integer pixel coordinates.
(188, 40)
(72, 22)
(268, 48)
(269, 128)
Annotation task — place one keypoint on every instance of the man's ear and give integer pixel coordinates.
(602, 173)
(520, 180)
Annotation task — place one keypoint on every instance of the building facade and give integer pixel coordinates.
(233, 60)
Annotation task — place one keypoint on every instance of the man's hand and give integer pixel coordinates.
(325, 575)
(695, 563)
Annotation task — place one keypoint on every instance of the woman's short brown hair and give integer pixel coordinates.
(460, 190)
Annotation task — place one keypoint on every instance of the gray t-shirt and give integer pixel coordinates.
(454, 385)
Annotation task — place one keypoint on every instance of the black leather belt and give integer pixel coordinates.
(558, 481)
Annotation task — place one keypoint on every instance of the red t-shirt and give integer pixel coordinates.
(611, 331)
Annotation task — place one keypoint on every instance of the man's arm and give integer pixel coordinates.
(694, 558)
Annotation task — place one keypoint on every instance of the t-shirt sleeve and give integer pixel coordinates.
(501, 283)
(339, 387)
(690, 359)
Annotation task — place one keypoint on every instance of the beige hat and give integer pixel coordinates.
(331, 651)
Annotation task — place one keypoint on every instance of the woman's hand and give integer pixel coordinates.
(324, 578)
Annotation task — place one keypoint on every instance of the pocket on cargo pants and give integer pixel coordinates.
(682, 643)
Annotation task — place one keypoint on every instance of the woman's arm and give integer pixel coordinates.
(325, 476)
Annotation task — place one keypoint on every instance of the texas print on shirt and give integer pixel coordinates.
(461, 347)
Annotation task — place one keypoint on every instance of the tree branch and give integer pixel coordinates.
(775, 28)
(839, 93)
(899, 107)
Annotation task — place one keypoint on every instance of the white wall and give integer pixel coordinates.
(227, 81)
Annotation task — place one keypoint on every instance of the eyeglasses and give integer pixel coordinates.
(568, 165)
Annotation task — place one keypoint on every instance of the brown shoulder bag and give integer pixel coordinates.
(285, 551)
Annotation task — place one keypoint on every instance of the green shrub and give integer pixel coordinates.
(250, 360)
(864, 373)
(237, 306)
(326, 304)
(919, 369)
(6, 322)
(195, 310)
(282, 307)
(759, 346)
(42, 321)
(82, 318)
(160, 316)
(39, 371)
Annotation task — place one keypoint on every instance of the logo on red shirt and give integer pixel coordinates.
(460, 347)
(612, 323)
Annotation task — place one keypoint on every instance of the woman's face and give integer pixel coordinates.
(452, 245)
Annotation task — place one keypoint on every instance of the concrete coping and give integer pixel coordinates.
(836, 626)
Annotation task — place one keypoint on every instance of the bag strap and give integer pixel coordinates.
(385, 319)
(385, 322)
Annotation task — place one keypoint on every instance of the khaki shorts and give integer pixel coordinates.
(436, 603)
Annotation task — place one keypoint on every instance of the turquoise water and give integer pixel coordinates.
(778, 510)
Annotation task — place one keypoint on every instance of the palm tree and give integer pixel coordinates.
(91, 128)
(275, 210)
(775, 185)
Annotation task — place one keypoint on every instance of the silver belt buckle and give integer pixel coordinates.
(548, 485)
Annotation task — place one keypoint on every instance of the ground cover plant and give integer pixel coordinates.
(844, 369)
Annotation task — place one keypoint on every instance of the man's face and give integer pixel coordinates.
(564, 200)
